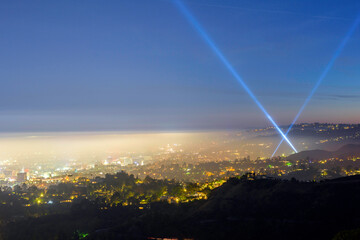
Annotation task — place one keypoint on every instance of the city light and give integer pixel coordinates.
(227, 64)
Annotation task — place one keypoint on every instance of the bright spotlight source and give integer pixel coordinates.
(227, 64)
(323, 75)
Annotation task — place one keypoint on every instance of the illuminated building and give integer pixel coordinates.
(21, 177)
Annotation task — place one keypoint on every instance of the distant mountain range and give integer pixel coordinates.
(345, 151)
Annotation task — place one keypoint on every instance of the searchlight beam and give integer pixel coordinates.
(323, 75)
(191, 19)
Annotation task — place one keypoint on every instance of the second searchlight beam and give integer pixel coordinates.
(323, 75)
(227, 64)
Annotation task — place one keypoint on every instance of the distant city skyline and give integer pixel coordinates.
(138, 65)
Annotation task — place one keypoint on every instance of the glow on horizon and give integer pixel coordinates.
(227, 64)
(27, 148)
(323, 75)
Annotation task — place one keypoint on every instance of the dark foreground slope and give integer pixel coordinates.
(240, 209)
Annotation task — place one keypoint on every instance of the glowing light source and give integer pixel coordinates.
(227, 64)
(323, 75)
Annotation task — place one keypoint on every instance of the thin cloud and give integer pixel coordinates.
(272, 11)
(339, 97)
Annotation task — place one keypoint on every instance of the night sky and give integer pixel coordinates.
(138, 64)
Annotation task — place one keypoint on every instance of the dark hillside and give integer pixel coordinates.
(348, 150)
(239, 209)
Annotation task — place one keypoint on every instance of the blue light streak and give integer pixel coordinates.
(323, 75)
(227, 64)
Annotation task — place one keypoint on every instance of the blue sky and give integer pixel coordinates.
(139, 65)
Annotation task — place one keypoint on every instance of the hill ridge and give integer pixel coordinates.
(344, 151)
